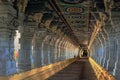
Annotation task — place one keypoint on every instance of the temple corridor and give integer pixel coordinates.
(59, 39)
(78, 70)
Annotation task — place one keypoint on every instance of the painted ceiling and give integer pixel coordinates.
(76, 13)
(72, 18)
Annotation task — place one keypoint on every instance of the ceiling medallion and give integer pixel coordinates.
(74, 9)
(72, 1)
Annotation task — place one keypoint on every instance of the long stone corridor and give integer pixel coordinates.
(47, 39)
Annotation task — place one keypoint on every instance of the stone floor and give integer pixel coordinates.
(79, 70)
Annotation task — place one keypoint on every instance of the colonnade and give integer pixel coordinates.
(105, 48)
(38, 45)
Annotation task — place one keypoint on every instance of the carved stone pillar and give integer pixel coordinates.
(92, 52)
(96, 48)
(52, 49)
(106, 47)
(37, 48)
(101, 37)
(112, 52)
(115, 20)
(97, 51)
(7, 32)
(25, 52)
(67, 50)
(100, 50)
(46, 49)
(117, 63)
(64, 47)
(52, 52)
(64, 50)
(112, 47)
(56, 49)
(60, 49)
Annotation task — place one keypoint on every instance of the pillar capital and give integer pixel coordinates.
(40, 34)
(28, 29)
(7, 16)
(117, 27)
(118, 35)
(37, 17)
(7, 32)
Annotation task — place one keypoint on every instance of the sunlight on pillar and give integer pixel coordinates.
(42, 55)
(16, 47)
(115, 68)
(31, 58)
(49, 61)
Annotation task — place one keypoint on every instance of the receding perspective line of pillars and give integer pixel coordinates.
(38, 45)
(105, 48)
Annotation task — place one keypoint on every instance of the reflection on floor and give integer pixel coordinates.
(79, 70)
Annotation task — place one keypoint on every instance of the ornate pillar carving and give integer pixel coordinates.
(56, 48)
(38, 48)
(112, 48)
(46, 50)
(117, 63)
(7, 32)
(59, 49)
(25, 52)
(64, 50)
(107, 43)
(100, 49)
(96, 46)
(102, 38)
(52, 48)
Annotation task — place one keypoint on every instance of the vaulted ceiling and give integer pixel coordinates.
(76, 19)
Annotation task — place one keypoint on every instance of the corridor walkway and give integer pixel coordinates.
(79, 70)
(82, 69)
(72, 69)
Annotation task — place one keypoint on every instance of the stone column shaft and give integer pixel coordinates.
(24, 61)
(38, 47)
(112, 54)
(117, 63)
(45, 53)
(7, 62)
(37, 50)
(25, 53)
(52, 53)
(7, 32)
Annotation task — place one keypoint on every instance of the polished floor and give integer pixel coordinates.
(79, 70)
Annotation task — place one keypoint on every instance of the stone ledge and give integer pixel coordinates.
(41, 73)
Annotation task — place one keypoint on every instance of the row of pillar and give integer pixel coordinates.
(45, 48)
(105, 49)
(38, 46)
